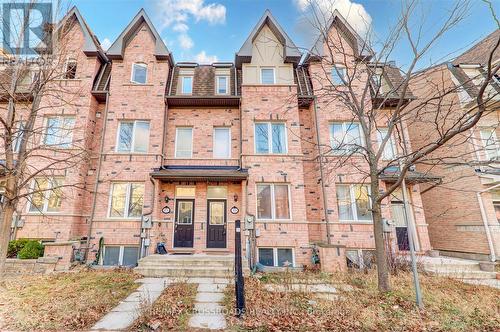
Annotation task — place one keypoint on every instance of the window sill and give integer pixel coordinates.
(361, 222)
(273, 220)
(42, 213)
(137, 84)
(122, 219)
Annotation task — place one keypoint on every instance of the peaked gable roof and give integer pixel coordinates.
(91, 44)
(479, 53)
(290, 51)
(359, 44)
(117, 49)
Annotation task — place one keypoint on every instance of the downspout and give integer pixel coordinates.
(323, 189)
(98, 173)
(484, 217)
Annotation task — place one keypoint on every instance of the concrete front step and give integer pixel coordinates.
(453, 267)
(166, 271)
(461, 274)
(200, 263)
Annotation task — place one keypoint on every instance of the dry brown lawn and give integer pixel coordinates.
(63, 301)
(450, 305)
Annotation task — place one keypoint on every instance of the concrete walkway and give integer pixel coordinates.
(208, 311)
(128, 310)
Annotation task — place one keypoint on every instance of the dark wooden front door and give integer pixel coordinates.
(216, 223)
(184, 223)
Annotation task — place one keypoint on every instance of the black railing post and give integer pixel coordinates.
(238, 272)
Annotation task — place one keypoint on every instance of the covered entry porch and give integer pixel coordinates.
(197, 207)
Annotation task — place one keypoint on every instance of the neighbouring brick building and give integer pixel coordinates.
(464, 211)
(180, 151)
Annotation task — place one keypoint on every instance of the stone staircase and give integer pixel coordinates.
(455, 268)
(187, 266)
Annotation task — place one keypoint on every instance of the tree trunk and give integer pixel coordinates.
(5, 225)
(384, 284)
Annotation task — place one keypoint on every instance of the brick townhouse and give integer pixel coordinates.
(464, 212)
(180, 151)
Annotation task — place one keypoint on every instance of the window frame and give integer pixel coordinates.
(335, 68)
(140, 64)
(217, 85)
(46, 127)
(182, 85)
(132, 143)
(177, 139)
(274, 75)
(273, 201)
(270, 138)
(120, 255)
(488, 150)
(66, 64)
(229, 142)
(354, 208)
(127, 200)
(45, 198)
(389, 144)
(275, 256)
(16, 142)
(344, 150)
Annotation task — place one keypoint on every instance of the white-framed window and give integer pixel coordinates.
(345, 137)
(139, 73)
(273, 201)
(187, 85)
(353, 202)
(133, 136)
(59, 131)
(277, 257)
(339, 75)
(114, 255)
(496, 203)
(490, 143)
(126, 200)
(184, 142)
(222, 85)
(270, 137)
(46, 195)
(222, 142)
(267, 76)
(17, 136)
(389, 152)
(70, 69)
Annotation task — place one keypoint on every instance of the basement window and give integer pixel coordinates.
(120, 256)
(360, 258)
(276, 257)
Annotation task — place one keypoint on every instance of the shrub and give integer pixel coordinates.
(15, 247)
(32, 249)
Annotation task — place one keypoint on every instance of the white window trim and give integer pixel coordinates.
(334, 68)
(275, 256)
(132, 143)
(353, 203)
(141, 64)
(20, 131)
(127, 200)
(270, 138)
(45, 198)
(182, 85)
(218, 85)
(274, 75)
(273, 201)
(120, 255)
(46, 127)
(176, 140)
(68, 60)
(344, 133)
(389, 144)
(485, 149)
(229, 143)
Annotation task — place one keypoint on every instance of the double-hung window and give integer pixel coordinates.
(46, 195)
(490, 143)
(270, 137)
(353, 202)
(127, 199)
(187, 85)
(273, 201)
(267, 76)
(184, 142)
(277, 257)
(17, 137)
(389, 152)
(345, 137)
(133, 136)
(339, 75)
(222, 142)
(222, 83)
(59, 131)
(139, 73)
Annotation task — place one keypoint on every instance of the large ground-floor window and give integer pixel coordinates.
(120, 255)
(277, 257)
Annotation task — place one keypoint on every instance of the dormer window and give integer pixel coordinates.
(339, 75)
(139, 73)
(187, 85)
(222, 83)
(267, 76)
(70, 69)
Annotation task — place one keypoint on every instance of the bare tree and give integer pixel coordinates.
(374, 100)
(40, 141)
